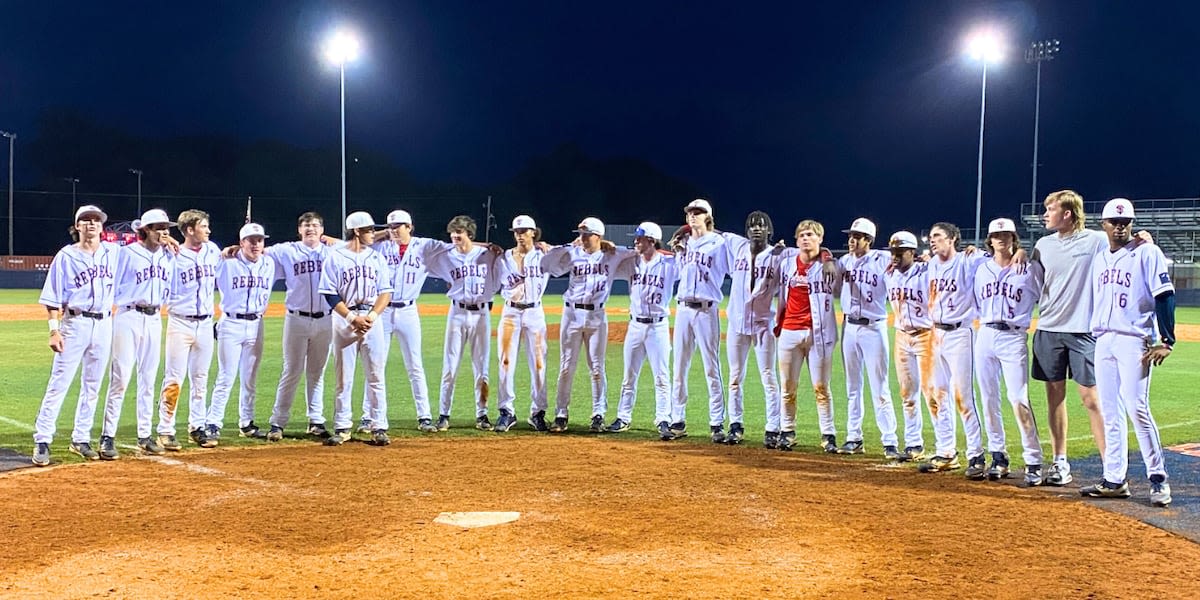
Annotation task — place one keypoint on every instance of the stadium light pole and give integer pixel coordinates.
(985, 46)
(342, 47)
(12, 138)
(1038, 53)
(138, 172)
(72, 181)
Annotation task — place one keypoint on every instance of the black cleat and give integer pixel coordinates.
(736, 434)
(538, 421)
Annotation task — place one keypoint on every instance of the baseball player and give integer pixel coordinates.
(1133, 293)
(190, 331)
(355, 284)
(751, 318)
(591, 270)
(78, 296)
(143, 277)
(703, 259)
(865, 339)
(1005, 296)
(245, 283)
(652, 275)
(908, 291)
(307, 326)
(522, 284)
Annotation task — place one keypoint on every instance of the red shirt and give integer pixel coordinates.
(797, 315)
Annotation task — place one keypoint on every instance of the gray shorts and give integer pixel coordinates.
(1057, 356)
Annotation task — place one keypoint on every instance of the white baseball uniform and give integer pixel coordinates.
(522, 285)
(703, 264)
(865, 342)
(810, 339)
(400, 318)
(584, 323)
(1124, 285)
(307, 330)
(648, 337)
(359, 278)
(1006, 297)
(909, 293)
(82, 286)
(245, 292)
(952, 306)
(750, 317)
(189, 335)
(143, 279)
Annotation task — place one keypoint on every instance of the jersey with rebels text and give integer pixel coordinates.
(471, 274)
(524, 284)
(952, 287)
(245, 286)
(703, 263)
(144, 277)
(300, 268)
(407, 267)
(1124, 284)
(195, 280)
(749, 306)
(358, 277)
(820, 294)
(1004, 295)
(80, 280)
(864, 284)
(909, 293)
(590, 274)
(651, 283)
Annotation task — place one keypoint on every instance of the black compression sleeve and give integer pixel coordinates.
(332, 299)
(1164, 309)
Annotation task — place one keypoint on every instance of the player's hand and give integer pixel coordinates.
(229, 252)
(1156, 355)
(56, 341)
(970, 249)
(1143, 236)
(360, 324)
(578, 241)
(329, 241)
(777, 330)
(607, 247)
(170, 243)
(543, 246)
(829, 271)
(495, 248)
(1020, 261)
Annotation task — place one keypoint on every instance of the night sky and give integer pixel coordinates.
(826, 110)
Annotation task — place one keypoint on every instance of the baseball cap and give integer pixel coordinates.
(251, 229)
(154, 216)
(1117, 208)
(90, 209)
(863, 226)
(526, 222)
(359, 219)
(650, 230)
(1002, 225)
(701, 204)
(590, 225)
(399, 217)
(903, 239)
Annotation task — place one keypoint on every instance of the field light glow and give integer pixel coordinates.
(985, 45)
(342, 47)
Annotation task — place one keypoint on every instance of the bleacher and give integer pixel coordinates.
(1174, 223)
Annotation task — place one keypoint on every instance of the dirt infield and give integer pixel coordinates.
(599, 518)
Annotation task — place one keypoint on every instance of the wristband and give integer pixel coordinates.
(371, 316)
(53, 323)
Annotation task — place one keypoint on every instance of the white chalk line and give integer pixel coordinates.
(1081, 438)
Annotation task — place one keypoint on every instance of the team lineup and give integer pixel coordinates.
(1105, 306)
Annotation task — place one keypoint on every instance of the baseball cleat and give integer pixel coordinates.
(976, 468)
(939, 463)
(1106, 489)
(364, 425)
(276, 434)
(664, 432)
(914, 452)
(169, 443)
(379, 437)
(148, 446)
(737, 433)
(108, 448)
(1059, 475)
(787, 441)
(716, 434)
(770, 440)
(999, 468)
(252, 431)
(891, 453)
(426, 425)
(443, 422)
(83, 449)
(41, 454)
(1033, 475)
(506, 421)
(317, 430)
(618, 426)
(1160, 491)
(678, 430)
(538, 421)
(200, 438)
(339, 437)
(851, 447)
(828, 443)
(482, 423)
(597, 424)
(213, 432)
(559, 425)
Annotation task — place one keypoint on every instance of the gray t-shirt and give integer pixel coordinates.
(1066, 304)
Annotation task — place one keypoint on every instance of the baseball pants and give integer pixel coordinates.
(795, 348)
(404, 325)
(953, 380)
(189, 354)
(88, 342)
(348, 346)
(698, 327)
(582, 331)
(517, 324)
(1123, 382)
(737, 350)
(136, 346)
(866, 346)
(305, 355)
(239, 353)
(647, 342)
(463, 327)
(1005, 354)
(914, 369)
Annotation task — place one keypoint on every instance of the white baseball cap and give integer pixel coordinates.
(252, 229)
(903, 239)
(1002, 225)
(359, 219)
(1117, 208)
(154, 216)
(650, 230)
(90, 209)
(863, 226)
(701, 204)
(526, 222)
(590, 225)
(399, 217)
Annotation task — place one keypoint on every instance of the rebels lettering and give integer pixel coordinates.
(648, 280)
(861, 276)
(249, 281)
(358, 272)
(1116, 277)
(197, 273)
(304, 267)
(698, 258)
(1001, 288)
(906, 294)
(469, 271)
(96, 272)
(586, 269)
(152, 272)
(943, 284)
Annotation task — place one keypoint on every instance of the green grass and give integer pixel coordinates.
(26, 366)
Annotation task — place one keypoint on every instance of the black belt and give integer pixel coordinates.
(144, 309)
(480, 306)
(246, 316)
(859, 321)
(362, 307)
(648, 320)
(1001, 326)
(586, 306)
(947, 326)
(917, 331)
(704, 305)
(402, 304)
(316, 315)
(522, 305)
(195, 317)
(83, 313)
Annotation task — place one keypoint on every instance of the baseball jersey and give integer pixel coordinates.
(300, 268)
(1124, 284)
(820, 293)
(651, 283)
(1066, 298)
(245, 286)
(864, 284)
(703, 264)
(909, 294)
(195, 280)
(1004, 295)
(470, 274)
(358, 277)
(952, 287)
(82, 281)
(144, 277)
(407, 266)
(590, 274)
(747, 305)
(525, 284)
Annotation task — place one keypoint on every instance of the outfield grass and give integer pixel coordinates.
(25, 371)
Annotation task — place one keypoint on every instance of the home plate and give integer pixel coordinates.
(476, 519)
